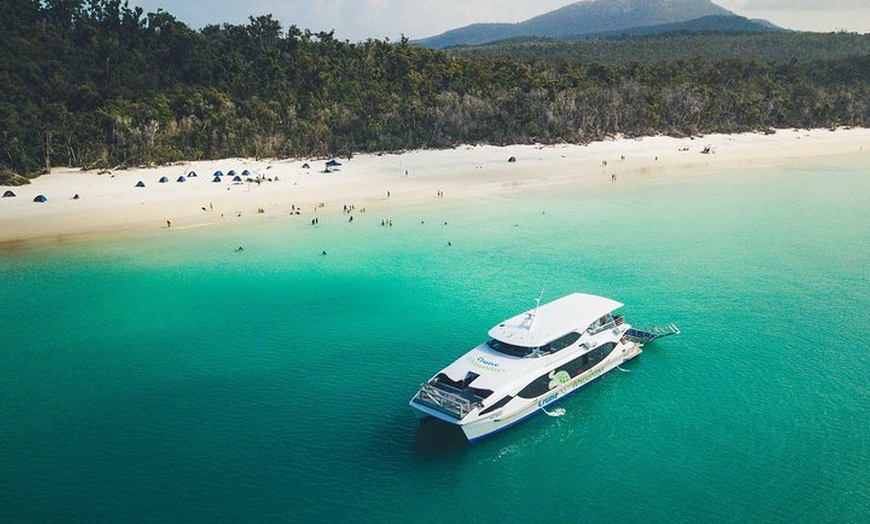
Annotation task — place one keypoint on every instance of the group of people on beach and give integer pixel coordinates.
(347, 209)
(350, 208)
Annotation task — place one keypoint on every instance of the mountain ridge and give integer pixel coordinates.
(599, 17)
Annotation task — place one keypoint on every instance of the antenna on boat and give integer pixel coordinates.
(534, 312)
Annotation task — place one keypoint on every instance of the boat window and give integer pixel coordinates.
(598, 354)
(536, 388)
(581, 364)
(563, 342)
(497, 405)
(509, 349)
(519, 351)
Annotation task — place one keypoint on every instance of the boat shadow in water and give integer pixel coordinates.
(435, 439)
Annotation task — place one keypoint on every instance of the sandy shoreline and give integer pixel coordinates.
(111, 202)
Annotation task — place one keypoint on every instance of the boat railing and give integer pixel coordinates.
(453, 404)
(610, 324)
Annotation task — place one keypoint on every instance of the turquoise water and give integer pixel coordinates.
(166, 378)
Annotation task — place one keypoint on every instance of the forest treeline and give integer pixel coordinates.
(96, 83)
(668, 47)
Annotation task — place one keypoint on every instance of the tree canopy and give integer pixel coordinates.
(96, 83)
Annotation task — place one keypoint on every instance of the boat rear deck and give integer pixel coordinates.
(633, 351)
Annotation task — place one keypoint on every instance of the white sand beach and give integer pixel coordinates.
(111, 202)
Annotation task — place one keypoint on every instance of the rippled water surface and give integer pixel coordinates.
(167, 378)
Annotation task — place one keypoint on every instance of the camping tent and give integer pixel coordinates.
(218, 173)
(163, 180)
(181, 179)
(40, 198)
(232, 172)
(333, 163)
(140, 184)
(216, 179)
(306, 166)
(246, 173)
(192, 174)
(8, 194)
(237, 178)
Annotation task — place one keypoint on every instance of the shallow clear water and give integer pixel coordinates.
(168, 378)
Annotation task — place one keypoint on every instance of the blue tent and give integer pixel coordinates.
(237, 178)
(333, 163)
(40, 198)
(192, 174)
(218, 173)
(181, 179)
(232, 172)
(163, 180)
(216, 179)
(140, 184)
(246, 173)
(8, 194)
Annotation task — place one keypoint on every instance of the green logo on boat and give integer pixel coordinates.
(557, 378)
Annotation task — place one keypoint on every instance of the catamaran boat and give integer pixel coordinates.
(531, 361)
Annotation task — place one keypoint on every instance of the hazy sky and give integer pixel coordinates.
(357, 20)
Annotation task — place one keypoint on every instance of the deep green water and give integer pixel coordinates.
(166, 378)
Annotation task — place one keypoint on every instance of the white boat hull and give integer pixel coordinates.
(500, 419)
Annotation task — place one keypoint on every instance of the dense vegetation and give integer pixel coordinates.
(95, 83)
(765, 47)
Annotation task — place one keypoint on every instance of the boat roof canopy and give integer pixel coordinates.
(547, 322)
